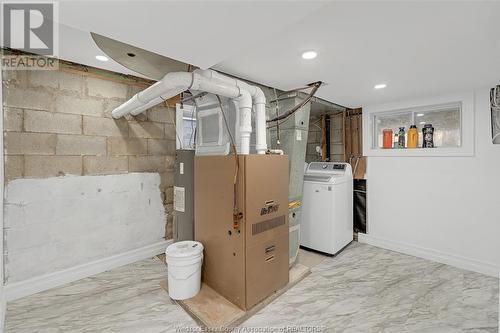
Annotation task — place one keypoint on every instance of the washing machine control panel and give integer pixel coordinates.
(329, 168)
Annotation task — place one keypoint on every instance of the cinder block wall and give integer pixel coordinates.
(59, 123)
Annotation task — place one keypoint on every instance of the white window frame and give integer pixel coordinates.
(466, 148)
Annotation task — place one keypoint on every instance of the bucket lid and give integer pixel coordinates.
(184, 249)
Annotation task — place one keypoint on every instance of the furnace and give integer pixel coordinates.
(246, 259)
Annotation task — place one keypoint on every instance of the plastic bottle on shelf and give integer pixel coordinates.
(396, 141)
(387, 138)
(428, 133)
(412, 137)
(401, 135)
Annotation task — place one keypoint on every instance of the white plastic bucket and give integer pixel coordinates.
(184, 261)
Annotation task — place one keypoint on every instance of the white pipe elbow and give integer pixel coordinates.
(214, 86)
(259, 97)
(245, 107)
(244, 99)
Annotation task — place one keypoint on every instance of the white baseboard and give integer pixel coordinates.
(34, 285)
(431, 254)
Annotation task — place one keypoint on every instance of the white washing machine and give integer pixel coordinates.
(327, 207)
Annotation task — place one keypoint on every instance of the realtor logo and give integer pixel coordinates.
(30, 27)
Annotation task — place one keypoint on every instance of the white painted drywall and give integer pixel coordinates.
(56, 223)
(442, 207)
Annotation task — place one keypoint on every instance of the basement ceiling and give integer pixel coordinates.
(201, 33)
(417, 48)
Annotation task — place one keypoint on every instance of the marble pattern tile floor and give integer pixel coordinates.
(363, 289)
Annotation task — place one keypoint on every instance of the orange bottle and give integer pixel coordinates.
(387, 142)
(412, 137)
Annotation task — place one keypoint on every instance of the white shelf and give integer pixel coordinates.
(458, 151)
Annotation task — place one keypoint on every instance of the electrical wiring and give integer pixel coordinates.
(285, 116)
(192, 138)
(278, 142)
(236, 214)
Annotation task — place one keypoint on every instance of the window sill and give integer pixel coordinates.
(413, 152)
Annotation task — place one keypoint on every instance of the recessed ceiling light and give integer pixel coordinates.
(380, 86)
(308, 55)
(101, 58)
(422, 123)
(420, 114)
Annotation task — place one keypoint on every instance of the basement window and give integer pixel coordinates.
(451, 118)
(445, 120)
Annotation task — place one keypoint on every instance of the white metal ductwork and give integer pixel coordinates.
(245, 95)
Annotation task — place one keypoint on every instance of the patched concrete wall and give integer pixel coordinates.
(58, 123)
(57, 223)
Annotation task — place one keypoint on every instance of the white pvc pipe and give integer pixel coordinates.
(245, 107)
(260, 128)
(174, 83)
(171, 85)
(210, 81)
(146, 106)
(259, 102)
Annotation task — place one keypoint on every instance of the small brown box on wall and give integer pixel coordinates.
(248, 263)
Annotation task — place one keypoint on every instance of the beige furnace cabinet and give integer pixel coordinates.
(248, 263)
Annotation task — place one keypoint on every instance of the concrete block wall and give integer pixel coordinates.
(59, 123)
